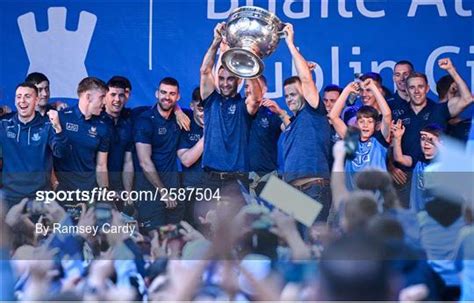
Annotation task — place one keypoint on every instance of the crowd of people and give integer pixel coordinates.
(360, 151)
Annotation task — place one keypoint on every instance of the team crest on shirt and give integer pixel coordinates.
(36, 137)
(72, 127)
(231, 110)
(264, 123)
(398, 112)
(93, 131)
(194, 137)
(162, 131)
(426, 116)
(362, 154)
(11, 135)
(335, 138)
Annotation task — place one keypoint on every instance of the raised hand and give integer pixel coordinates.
(352, 87)
(289, 33)
(218, 30)
(272, 106)
(370, 84)
(445, 64)
(397, 129)
(54, 119)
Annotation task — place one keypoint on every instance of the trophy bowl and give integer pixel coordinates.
(252, 34)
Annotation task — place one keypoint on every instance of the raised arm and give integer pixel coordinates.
(338, 179)
(275, 108)
(255, 97)
(384, 108)
(457, 104)
(335, 113)
(207, 82)
(310, 92)
(397, 133)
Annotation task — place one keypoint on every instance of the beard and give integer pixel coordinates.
(228, 93)
(165, 108)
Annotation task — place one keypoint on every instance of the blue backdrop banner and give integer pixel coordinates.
(146, 40)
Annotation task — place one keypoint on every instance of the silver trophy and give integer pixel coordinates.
(252, 34)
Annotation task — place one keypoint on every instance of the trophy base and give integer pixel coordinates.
(242, 63)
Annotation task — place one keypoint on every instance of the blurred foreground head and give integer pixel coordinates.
(353, 268)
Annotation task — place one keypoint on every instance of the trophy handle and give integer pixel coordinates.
(280, 32)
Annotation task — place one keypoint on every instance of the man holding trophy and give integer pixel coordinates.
(227, 119)
(307, 137)
(252, 34)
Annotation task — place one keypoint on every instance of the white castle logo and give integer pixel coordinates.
(58, 53)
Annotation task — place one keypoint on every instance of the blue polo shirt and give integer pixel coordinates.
(263, 143)
(28, 151)
(77, 170)
(121, 141)
(432, 113)
(306, 144)
(193, 175)
(397, 105)
(226, 133)
(163, 136)
(135, 114)
(439, 242)
(417, 192)
(139, 178)
(369, 154)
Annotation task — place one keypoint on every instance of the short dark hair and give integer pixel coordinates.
(90, 83)
(169, 81)
(116, 83)
(125, 83)
(367, 111)
(333, 88)
(36, 78)
(416, 75)
(196, 95)
(292, 80)
(443, 84)
(371, 75)
(405, 62)
(434, 129)
(29, 85)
